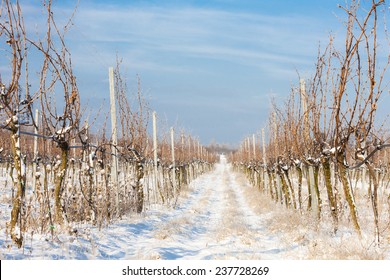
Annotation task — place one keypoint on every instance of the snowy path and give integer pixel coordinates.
(212, 221)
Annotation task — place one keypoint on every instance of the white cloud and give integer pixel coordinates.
(152, 34)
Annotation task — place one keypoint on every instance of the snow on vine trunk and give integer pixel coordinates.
(19, 182)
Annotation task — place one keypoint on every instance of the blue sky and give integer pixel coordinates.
(209, 67)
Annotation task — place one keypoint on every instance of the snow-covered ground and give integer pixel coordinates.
(219, 216)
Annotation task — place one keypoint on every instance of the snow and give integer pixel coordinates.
(219, 216)
(63, 130)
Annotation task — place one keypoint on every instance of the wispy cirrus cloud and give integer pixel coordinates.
(158, 33)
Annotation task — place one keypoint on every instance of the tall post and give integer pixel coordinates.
(254, 146)
(114, 160)
(263, 140)
(244, 149)
(173, 160)
(155, 159)
(265, 177)
(303, 94)
(254, 158)
(182, 147)
(35, 149)
(199, 150)
(304, 109)
(276, 134)
(248, 145)
(189, 146)
(190, 158)
(195, 152)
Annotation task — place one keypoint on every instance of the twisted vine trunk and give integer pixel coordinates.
(20, 183)
(285, 189)
(348, 193)
(300, 176)
(58, 187)
(315, 202)
(330, 193)
(316, 171)
(273, 185)
(374, 199)
(290, 186)
(310, 197)
(139, 187)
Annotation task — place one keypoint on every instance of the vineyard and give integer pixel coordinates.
(324, 154)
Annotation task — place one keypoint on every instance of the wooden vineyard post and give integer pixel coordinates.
(173, 161)
(311, 182)
(278, 187)
(248, 147)
(254, 146)
(194, 164)
(265, 173)
(304, 109)
(189, 146)
(155, 157)
(254, 158)
(197, 147)
(35, 161)
(114, 160)
(182, 158)
(190, 158)
(264, 153)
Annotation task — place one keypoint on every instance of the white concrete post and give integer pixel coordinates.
(114, 160)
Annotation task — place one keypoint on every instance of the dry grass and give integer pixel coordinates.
(317, 239)
(174, 227)
(259, 202)
(231, 224)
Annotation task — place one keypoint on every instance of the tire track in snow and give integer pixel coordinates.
(139, 237)
(243, 231)
(187, 234)
(213, 222)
